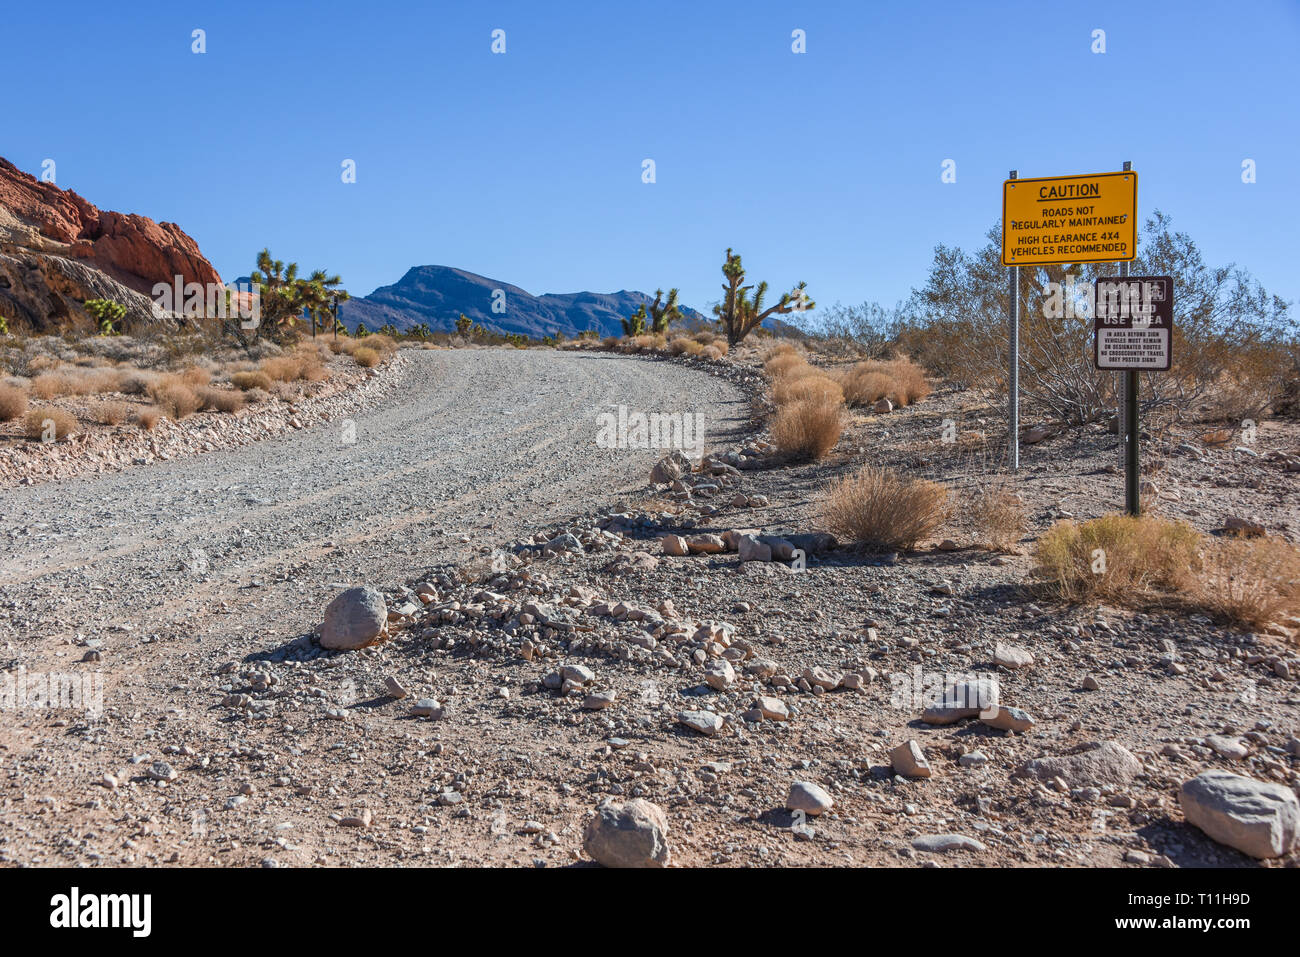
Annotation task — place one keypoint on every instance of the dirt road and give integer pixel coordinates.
(167, 570)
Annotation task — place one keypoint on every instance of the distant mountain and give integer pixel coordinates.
(437, 295)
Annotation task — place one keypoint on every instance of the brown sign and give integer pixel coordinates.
(1134, 323)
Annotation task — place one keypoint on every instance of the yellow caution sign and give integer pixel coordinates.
(1069, 219)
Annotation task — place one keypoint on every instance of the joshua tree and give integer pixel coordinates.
(740, 314)
(662, 315)
(281, 293)
(636, 323)
(317, 293)
(107, 313)
(463, 324)
(361, 332)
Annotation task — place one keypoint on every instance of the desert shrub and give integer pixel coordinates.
(712, 352)
(881, 508)
(910, 384)
(808, 428)
(194, 377)
(783, 363)
(220, 400)
(1230, 342)
(110, 413)
(311, 367)
(649, 341)
(797, 388)
(147, 418)
(175, 399)
(49, 385)
(1116, 558)
(901, 381)
(13, 403)
(1249, 581)
(282, 368)
(863, 386)
(134, 382)
(684, 345)
(251, 380)
(42, 422)
(366, 357)
(719, 343)
(998, 516)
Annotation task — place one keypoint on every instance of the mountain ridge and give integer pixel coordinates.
(437, 295)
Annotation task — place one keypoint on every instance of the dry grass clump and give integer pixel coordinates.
(794, 388)
(50, 424)
(110, 413)
(220, 400)
(49, 385)
(175, 398)
(251, 380)
(282, 368)
(999, 516)
(881, 508)
(808, 428)
(783, 363)
(366, 357)
(901, 381)
(684, 345)
(652, 341)
(134, 382)
(1117, 558)
(13, 403)
(865, 386)
(194, 377)
(148, 417)
(1249, 581)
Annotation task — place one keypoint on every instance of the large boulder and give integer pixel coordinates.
(1255, 817)
(354, 619)
(634, 834)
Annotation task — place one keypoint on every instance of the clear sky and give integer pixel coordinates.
(527, 167)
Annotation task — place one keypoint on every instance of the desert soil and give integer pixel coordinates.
(229, 737)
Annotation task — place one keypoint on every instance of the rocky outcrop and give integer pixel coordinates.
(46, 233)
(46, 293)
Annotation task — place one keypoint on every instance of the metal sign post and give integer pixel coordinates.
(1122, 380)
(1013, 358)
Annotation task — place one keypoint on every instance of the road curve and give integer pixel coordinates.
(493, 444)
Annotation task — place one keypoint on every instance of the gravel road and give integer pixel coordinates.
(484, 444)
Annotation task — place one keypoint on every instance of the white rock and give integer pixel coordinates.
(1255, 817)
(946, 842)
(1012, 657)
(808, 797)
(909, 761)
(705, 722)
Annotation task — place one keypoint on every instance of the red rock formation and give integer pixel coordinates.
(133, 249)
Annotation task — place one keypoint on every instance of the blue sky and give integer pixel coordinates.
(526, 167)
